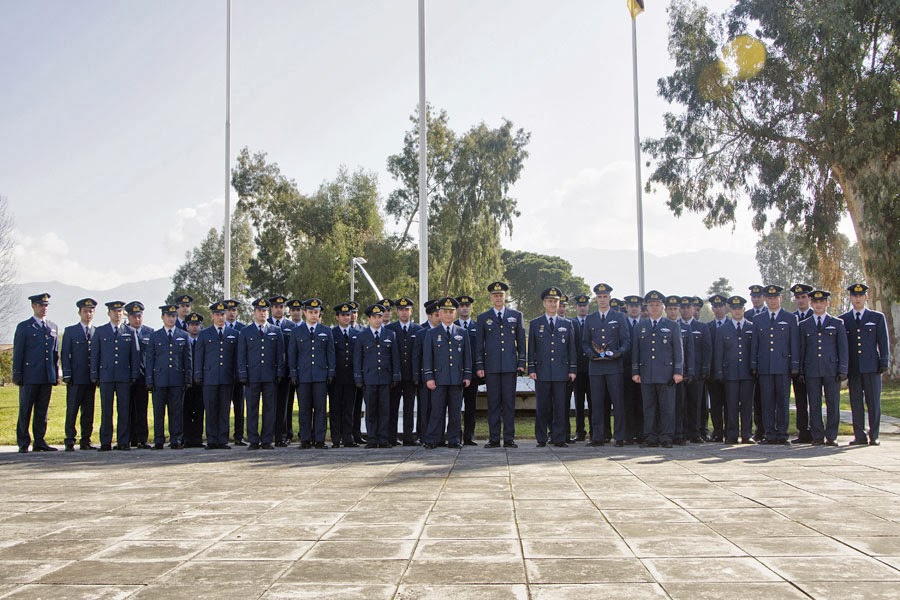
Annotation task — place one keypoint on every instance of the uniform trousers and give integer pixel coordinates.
(659, 412)
(693, 398)
(118, 392)
(342, 398)
(446, 408)
(140, 401)
(237, 404)
(378, 411)
(801, 401)
(33, 398)
(865, 395)
(470, 401)
(739, 400)
(582, 413)
(405, 390)
(193, 416)
(281, 399)
(552, 411)
(718, 413)
(501, 397)
(634, 409)
(608, 385)
(217, 403)
(813, 388)
(80, 397)
(252, 394)
(773, 392)
(312, 399)
(169, 398)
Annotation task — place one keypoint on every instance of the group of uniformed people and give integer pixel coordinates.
(642, 370)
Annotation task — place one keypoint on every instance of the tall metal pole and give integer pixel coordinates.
(637, 160)
(423, 172)
(352, 279)
(227, 228)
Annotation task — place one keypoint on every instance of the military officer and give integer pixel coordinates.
(447, 367)
(561, 312)
(582, 388)
(604, 342)
(501, 356)
(733, 346)
(404, 331)
(775, 357)
(801, 293)
(432, 319)
(697, 303)
(693, 398)
(823, 365)
(295, 311)
(388, 305)
(76, 374)
(470, 392)
(376, 366)
(717, 403)
(673, 313)
(184, 304)
(311, 361)
(35, 360)
(758, 307)
(234, 326)
(634, 406)
(260, 366)
(870, 356)
(358, 437)
(193, 395)
(169, 370)
(354, 316)
(283, 389)
(115, 365)
(657, 364)
(215, 363)
(140, 398)
(552, 363)
(342, 392)
(757, 300)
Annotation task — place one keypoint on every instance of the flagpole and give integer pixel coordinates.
(637, 159)
(227, 228)
(423, 173)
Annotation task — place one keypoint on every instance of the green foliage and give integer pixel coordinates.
(720, 286)
(528, 274)
(469, 180)
(6, 359)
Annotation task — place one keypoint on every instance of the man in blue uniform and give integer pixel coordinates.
(870, 356)
(758, 307)
(731, 370)
(716, 387)
(801, 293)
(694, 389)
(233, 325)
(423, 405)
(634, 406)
(582, 388)
(447, 367)
(76, 374)
(687, 345)
(342, 392)
(404, 331)
(775, 357)
(470, 392)
(260, 366)
(358, 437)
(376, 366)
(311, 361)
(35, 357)
(115, 365)
(193, 394)
(170, 370)
(215, 363)
(657, 364)
(823, 365)
(283, 389)
(184, 304)
(387, 306)
(605, 341)
(295, 312)
(501, 356)
(140, 397)
(552, 363)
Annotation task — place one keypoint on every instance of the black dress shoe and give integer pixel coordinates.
(731, 441)
(492, 445)
(541, 444)
(572, 440)
(681, 442)
(697, 440)
(469, 443)
(321, 446)
(336, 444)
(43, 448)
(351, 445)
(240, 443)
(510, 445)
(747, 441)
(281, 444)
(874, 442)
(70, 447)
(212, 446)
(23, 449)
(817, 442)
(855, 442)
(267, 446)
(360, 439)
(253, 447)
(412, 443)
(305, 445)
(370, 445)
(666, 444)
(455, 446)
(122, 447)
(177, 446)
(620, 444)
(426, 446)
(158, 446)
(596, 443)
(86, 446)
(831, 443)
(649, 445)
(105, 448)
(384, 445)
(580, 437)
(143, 446)
(224, 447)
(799, 440)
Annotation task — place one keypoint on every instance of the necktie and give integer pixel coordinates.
(346, 337)
(551, 322)
(448, 332)
(654, 324)
(260, 330)
(499, 316)
(466, 326)
(115, 332)
(87, 333)
(858, 321)
(771, 318)
(377, 339)
(220, 334)
(739, 328)
(819, 323)
(718, 324)
(404, 329)
(312, 332)
(170, 336)
(581, 321)
(603, 318)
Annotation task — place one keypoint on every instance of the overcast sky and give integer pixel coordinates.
(112, 116)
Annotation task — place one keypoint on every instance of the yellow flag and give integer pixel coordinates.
(635, 7)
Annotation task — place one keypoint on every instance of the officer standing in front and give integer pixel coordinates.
(260, 366)
(801, 293)
(35, 360)
(376, 367)
(76, 374)
(311, 361)
(731, 371)
(283, 389)
(657, 364)
(115, 365)
(423, 403)
(775, 357)
(694, 398)
(582, 378)
(170, 369)
(687, 344)
(718, 412)
(193, 394)
(552, 363)
(447, 367)
(237, 392)
(215, 363)
(634, 406)
(140, 397)
(470, 392)
(823, 365)
(501, 357)
(870, 356)
(342, 392)
(405, 332)
(605, 342)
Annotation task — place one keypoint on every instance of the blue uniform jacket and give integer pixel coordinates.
(447, 359)
(311, 357)
(215, 360)
(869, 349)
(406, 342)
(732, 351)
(823, 353)
(343, 354)
(114, 356)
(613, 335)
(702, 349)
(169, 364)
(76, 355)
(418, 372)
(35, 353)
(376, 363)
(552, 355)
(144, 342)
(657, 355)
(776, 348)
(502, 344)
(687, 346)
(261, 357)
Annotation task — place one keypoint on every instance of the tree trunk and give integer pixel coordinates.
(878, 300)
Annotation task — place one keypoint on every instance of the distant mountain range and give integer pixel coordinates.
(63, 297)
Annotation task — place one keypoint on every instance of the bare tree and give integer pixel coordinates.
(7, 262)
